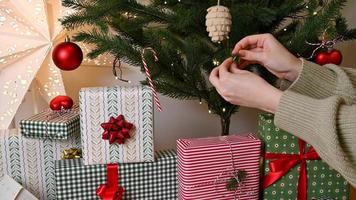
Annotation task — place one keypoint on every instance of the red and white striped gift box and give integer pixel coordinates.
(206, 164)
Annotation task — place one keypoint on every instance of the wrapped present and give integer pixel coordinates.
(30, 162)
(225, 167)
(116, 124)
(11, 190)
(149, 180)
(52, 124)
(293, 169)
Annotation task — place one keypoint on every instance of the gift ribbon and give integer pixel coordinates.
(232, 171)
(149, 77)
(111, 189)
(116, 130)
(281, 164)
(71, 153)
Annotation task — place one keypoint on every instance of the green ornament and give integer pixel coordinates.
(234, 181)
(236, 58)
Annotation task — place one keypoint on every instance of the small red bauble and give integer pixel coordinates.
(67, 56)
(329, 57)
(61, 102)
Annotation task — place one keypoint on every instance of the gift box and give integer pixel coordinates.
(150, 180)
(11, 190)
(30, 162)
(225, 167)
(52, 124)
(101, 105)
(283, 155)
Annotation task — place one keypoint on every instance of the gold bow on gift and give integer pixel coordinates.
(72, 153)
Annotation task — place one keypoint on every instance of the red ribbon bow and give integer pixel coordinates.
(282, 163)
(111, 189)
(116, 130)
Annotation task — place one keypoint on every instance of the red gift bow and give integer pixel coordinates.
(282, 163)
(116, 130)
(111, 189)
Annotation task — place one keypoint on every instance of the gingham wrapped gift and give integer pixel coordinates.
(100, 107)
(147, 181)
(51, 124)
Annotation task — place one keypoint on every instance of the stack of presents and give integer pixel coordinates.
(104, 149)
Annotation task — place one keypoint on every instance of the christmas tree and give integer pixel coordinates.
(176, 30)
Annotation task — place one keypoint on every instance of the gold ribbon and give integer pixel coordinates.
(72, 153)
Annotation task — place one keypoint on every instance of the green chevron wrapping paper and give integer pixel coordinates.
(141, 181)
(97, 105)
(31, 161)
(49, 124)
(323, 181)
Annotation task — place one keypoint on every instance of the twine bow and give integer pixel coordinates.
(281, 164)
(116, 130)
(111, 189)
(148, 75)
(329, 44)
(72, 153)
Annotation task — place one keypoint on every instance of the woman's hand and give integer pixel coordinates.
(264, 49)
(241, 87)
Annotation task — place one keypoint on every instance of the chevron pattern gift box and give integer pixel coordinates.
(98, 105)
(50, 124)
(147, 181)
(31, 161)
(225, 167)
(282, 149)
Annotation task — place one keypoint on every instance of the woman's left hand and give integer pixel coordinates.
(241, 87)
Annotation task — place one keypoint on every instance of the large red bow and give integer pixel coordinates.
(282, 163)
(111, 189)
(116, 130)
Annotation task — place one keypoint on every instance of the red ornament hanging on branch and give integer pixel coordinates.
(325, 53)
(67, 55)
(330, 56)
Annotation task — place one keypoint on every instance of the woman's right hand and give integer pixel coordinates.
(264, 49)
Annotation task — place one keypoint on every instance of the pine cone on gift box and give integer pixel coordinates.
(218, 23)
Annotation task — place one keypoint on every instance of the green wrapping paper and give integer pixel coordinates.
(323, 181)
(141, 181)
(49, 124)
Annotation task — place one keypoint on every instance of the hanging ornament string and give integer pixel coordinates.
(148, 74)
(329, 44)
(114, 65)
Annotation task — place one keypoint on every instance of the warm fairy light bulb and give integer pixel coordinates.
(129, 81)
(165, 2)
(315, 13)
(209, 111)
(285, 29)
(216, 62)
(224, 109)
(200, 102)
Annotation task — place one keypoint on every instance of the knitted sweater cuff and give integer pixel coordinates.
(314, 81)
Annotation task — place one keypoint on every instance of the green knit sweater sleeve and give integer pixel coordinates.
(320, 108)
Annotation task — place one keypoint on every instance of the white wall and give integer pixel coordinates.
(179, 118)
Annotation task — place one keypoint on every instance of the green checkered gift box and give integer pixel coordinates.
(146, 181)
(53, 125)
(322, 181)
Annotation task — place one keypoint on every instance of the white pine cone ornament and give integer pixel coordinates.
(218, 23)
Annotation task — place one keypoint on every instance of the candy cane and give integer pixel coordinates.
(148, 75)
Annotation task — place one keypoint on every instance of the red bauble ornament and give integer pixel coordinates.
(67, 56)
(329, 57)
(61, 102)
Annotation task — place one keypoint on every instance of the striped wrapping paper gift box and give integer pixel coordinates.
(205, 166)
(97, 105)
(49, 124)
